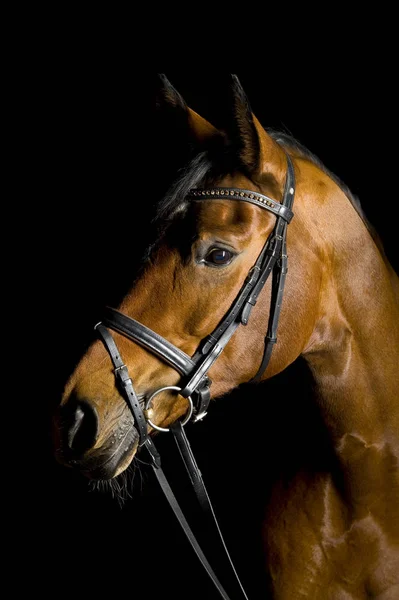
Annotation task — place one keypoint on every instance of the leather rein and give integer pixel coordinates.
(195, 383)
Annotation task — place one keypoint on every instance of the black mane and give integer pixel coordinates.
(194, 174)
(290, 143)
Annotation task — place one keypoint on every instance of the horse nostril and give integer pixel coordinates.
(80, 423)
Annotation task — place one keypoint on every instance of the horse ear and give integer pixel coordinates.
(257, 152)
(181, 117)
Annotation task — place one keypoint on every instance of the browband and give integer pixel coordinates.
(221, 193)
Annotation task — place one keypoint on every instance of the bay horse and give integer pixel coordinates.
(193, 326)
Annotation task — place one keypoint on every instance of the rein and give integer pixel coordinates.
(195, 383)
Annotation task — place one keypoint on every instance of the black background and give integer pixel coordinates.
(99, 169)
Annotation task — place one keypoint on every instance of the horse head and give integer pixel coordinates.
(191, 276)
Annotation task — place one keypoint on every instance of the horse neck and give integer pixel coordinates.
(353, 351)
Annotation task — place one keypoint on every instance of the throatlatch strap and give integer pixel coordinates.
(279, 274)
(275, 308)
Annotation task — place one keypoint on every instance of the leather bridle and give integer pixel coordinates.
(195, 383)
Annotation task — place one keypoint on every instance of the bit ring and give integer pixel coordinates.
(176, 389)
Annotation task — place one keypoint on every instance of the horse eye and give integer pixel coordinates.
(219, 257)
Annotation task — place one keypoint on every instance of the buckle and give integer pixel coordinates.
(122, 375)
(200, 416)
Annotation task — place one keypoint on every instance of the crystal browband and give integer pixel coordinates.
(244, 195)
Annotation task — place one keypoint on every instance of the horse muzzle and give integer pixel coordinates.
(79, 443)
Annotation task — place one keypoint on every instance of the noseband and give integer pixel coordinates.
(195, 383)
